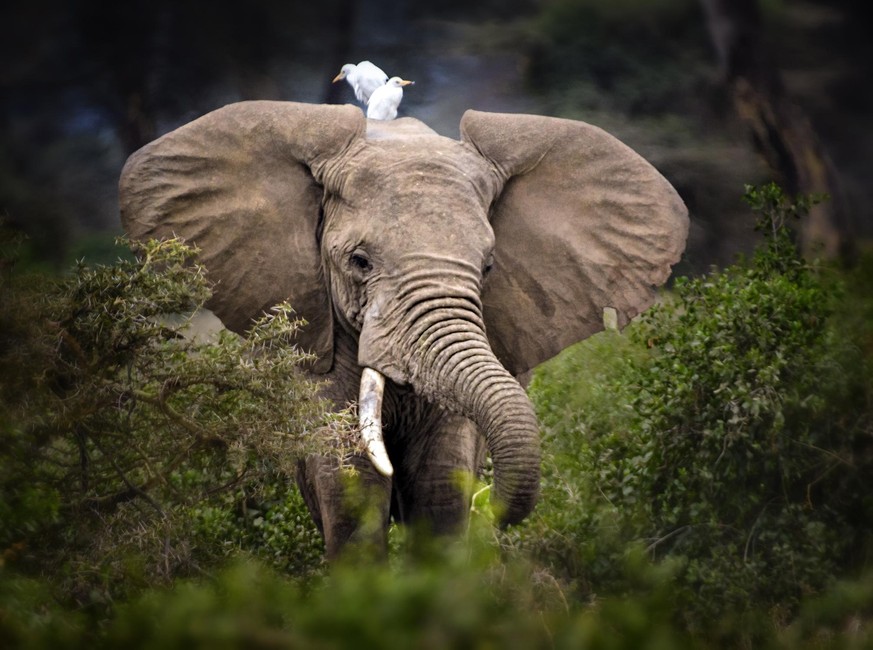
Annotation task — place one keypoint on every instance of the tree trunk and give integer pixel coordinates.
(780, 129)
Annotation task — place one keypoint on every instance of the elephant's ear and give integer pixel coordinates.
(241, 184)
(583, 223)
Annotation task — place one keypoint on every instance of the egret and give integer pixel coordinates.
(386, 98)
(364, 78)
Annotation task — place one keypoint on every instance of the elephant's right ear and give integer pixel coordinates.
(583, 224)
(241, 183)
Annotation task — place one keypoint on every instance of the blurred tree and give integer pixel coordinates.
(342, 50)
(138, 64)
(87, 82)
(781, 130)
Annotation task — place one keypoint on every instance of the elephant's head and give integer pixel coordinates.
(455, 265)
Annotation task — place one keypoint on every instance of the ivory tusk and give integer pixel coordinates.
(370, 417)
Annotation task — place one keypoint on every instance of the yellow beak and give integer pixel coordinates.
(404, 82)
(341, 75)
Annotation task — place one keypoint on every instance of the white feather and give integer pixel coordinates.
(364, 78)
(386, 98)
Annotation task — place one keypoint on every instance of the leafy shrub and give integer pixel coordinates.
(738, 444)
(464, 597)
(577, 532)
(752, 470)
(133, 452)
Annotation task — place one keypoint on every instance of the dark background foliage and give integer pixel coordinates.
(85, 83)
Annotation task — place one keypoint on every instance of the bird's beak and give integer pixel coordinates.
(404, 82)
(341, 75)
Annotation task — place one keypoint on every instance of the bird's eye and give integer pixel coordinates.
(359, 261)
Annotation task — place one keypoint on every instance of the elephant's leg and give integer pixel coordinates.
(351, 509)
(434, 482)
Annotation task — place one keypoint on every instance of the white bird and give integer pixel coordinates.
(386, 98)
(364, 78)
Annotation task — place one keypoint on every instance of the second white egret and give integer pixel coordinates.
(364, 78)
(386, 98)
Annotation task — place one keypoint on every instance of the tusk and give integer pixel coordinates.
(370, 416)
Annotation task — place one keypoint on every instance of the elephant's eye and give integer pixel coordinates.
(359, 261)
(489, 264)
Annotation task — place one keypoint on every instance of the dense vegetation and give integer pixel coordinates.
(704, 475)
(131, 446)
(729, 435)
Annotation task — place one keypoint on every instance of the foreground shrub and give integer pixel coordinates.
(133, 451)
(462, 597)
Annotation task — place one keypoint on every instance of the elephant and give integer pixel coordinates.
(433, 274)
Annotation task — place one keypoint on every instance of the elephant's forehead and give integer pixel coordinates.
(430, 191)
(430, 172)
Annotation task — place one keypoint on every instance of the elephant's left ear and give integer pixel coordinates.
(243, 184)
(583, 223)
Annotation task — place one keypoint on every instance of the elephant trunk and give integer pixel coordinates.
(445, 355)
(471, 381)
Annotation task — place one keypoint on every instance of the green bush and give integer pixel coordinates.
(738, 440)
(752, 471)
(133, 451)
(465, 596)
(575, 531)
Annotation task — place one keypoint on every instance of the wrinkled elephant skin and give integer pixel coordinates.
(448, 267)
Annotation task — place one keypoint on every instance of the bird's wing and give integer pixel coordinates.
(384, 102)
(377, 107)
(372, 70)
(370, 77)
